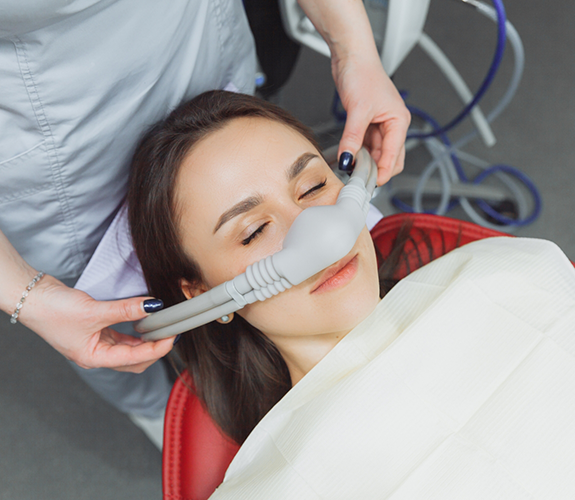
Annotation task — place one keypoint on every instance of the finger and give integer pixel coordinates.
(391, 151)
(400, 164)
(139, 368)
(119, 311)
(373, 141)
(125, 356)
(353, 132)
(384, 176)
(113, 337)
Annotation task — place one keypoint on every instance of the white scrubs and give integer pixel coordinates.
(80, 80)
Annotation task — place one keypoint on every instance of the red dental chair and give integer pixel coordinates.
(196, 454)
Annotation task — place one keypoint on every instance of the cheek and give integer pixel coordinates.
(223, 265)
(275, 316)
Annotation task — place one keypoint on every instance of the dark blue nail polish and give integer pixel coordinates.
(153, 305)
(177, 339)
(346, 161)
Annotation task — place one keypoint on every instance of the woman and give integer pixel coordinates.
(413, 396)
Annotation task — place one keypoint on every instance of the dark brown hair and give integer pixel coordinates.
(237, 372)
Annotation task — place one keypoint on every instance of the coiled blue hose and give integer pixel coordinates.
(483, 205)
(497, 58)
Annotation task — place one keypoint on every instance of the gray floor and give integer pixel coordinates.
(58, 440)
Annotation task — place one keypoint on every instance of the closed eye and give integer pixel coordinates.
(315, 188)
(260, 229)
(255, 234)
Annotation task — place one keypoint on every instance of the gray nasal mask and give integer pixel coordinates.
(318, 238)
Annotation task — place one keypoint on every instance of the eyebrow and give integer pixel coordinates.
(299, 165)
(253, 201)
(239, 208)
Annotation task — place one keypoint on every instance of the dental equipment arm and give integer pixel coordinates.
(318, 237)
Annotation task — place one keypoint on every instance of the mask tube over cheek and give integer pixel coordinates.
(318, 237)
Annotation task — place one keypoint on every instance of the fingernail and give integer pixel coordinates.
(153, 305)
(178, 337)
(346, 161)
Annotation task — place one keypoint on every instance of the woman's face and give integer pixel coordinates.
(237, 194)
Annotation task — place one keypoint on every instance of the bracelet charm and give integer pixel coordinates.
(16, 313)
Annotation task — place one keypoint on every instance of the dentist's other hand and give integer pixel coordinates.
(79, 327)
(376, 115)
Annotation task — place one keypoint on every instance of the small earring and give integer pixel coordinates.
(226, 319)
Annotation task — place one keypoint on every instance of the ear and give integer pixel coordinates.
(191, 290)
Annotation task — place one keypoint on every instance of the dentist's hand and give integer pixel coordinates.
(78, 327)
(376, 114)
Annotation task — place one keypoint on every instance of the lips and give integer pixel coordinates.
(333, 271)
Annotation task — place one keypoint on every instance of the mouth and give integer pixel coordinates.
(337, 275)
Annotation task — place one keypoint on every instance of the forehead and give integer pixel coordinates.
(247, 154)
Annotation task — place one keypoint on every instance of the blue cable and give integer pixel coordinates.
(497, 58)
(489, 210)
(483, 205)
(438, 132)
(436, 127)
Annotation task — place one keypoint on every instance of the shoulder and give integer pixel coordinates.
(505, 246)
(509, 259)
(516, 255)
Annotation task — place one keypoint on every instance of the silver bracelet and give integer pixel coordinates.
(16, 313)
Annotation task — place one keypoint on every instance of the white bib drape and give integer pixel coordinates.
(460, 385)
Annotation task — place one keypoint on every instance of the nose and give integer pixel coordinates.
(294, 208)
(320, 236)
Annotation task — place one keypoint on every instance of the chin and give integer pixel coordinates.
(340, 314)
(351, 313)
(341, 310)
(350, 305)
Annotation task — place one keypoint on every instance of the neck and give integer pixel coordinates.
(301, 354)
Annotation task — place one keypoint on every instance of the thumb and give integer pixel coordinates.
(118, 311)
(352, 138)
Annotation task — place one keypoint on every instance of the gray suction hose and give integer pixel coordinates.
(318, 238)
